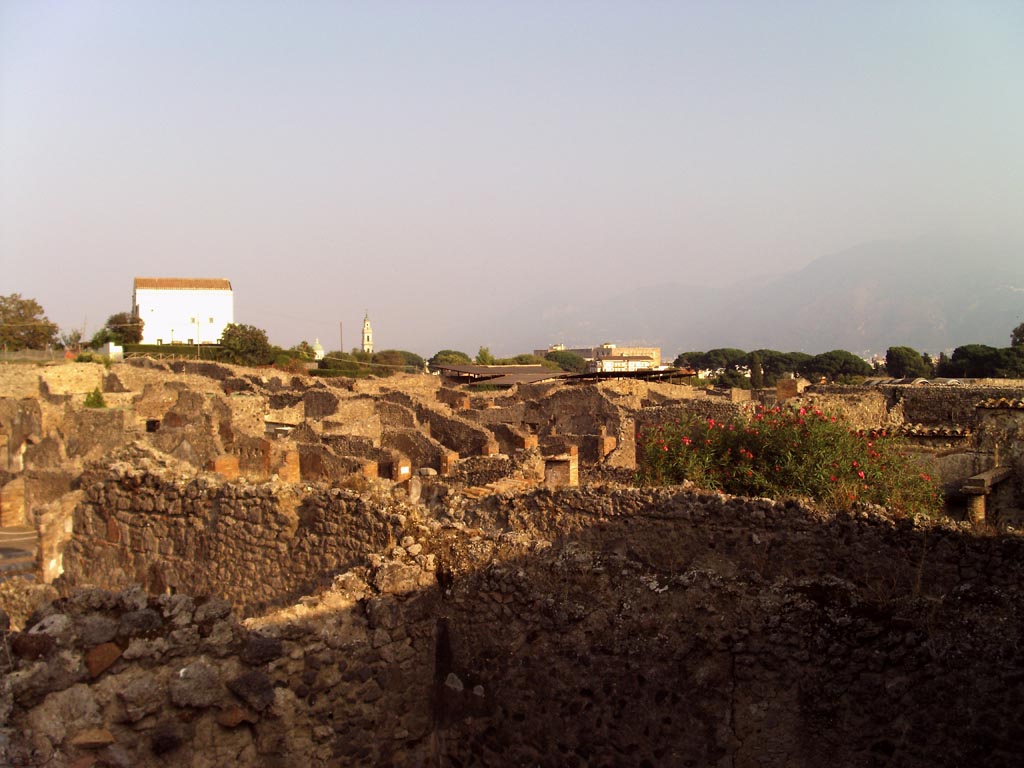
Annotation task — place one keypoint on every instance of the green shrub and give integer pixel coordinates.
(788, 452)
(95, 399)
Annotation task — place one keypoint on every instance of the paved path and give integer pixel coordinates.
(18, 546)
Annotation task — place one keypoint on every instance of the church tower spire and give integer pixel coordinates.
(367, 334)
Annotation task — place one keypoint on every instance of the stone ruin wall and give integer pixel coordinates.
(574, 628)
(929, 404)
(257, 546)
(983, 437)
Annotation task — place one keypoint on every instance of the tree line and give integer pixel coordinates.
(767, 366)
(24, 325)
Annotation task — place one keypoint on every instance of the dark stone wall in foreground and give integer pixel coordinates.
(586, 628)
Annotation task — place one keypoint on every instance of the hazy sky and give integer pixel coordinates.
(434, 162)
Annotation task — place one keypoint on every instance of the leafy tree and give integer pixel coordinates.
(450, 357)
(756, 371)
(245, 345)
(526, 359)
(837, 365)
(1017, 337)
(929, 364)
(905, 362)
(303, 350)
(71, 340)
(689, 360)
(342, 364)
(121, 328)
(411, 359)
(974, 361)
(389, 361)
(95, 399)
(567, 361)
(23, 325)
(733, 379)
(726, 357)
(1011, 363)
(336, 360)
(484, 357)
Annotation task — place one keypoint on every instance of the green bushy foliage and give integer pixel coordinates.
(787, 452)
(95, 399)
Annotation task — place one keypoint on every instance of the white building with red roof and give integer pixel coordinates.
(184, 310)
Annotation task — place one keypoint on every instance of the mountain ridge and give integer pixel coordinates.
(932, 294)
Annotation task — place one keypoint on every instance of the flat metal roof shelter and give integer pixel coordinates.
(647, 374)
(498, 375)
(510, 375)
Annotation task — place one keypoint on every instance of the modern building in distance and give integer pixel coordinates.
(608, 358)
(367, 334)
(185, 310)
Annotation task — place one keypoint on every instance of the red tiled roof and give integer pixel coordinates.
(183, 283)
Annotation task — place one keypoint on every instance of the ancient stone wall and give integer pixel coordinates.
(92, 432)
(574, 628)
(512, 437)
(932, 404)
(1001, 443)
(455, 433)
(421, 450)
(21, 423)
(861, 408)
(512, 413)
(318, 462)
(355, 416)
(719, 410)
(396, 416)
(254, 545)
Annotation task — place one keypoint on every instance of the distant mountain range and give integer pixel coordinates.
(931, 294)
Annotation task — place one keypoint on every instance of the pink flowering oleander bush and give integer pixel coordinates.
(788, 452)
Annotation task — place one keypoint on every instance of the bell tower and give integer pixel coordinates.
(367, 334)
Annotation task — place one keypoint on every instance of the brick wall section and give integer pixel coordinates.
(456, 400)
(357, 416)
(947, 405)
(720, 410)
(455, 433)
(511, 438)
(862, 408)
(396, 416)
(319, 403)
(512, 413)
(421, 450)
(255, 545)
(319, 462)
(931, 404)
(93, 432)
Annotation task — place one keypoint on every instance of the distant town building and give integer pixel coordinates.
(183, 309)
(367, 334)
(608, 358)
